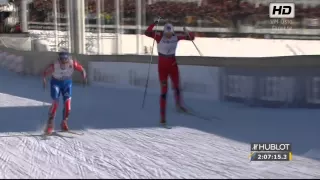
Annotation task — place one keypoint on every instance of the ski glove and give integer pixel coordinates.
(157, 20)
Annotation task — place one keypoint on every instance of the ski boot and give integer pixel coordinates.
(64, 125)
(49, 128)
(163, 122)
(181, 109)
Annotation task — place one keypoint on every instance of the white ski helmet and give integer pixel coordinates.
(168, 28)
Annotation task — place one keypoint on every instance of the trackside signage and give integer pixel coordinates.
(196, 81)
(273, 87)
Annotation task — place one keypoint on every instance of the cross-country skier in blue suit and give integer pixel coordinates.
(61, 72)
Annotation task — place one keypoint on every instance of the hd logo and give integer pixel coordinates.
(281, 10)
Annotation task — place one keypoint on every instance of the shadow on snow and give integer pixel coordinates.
(106, 108)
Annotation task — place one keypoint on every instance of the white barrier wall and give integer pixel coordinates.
(239, 47)
(11, 62)
(196, 81)
(214, 47)
(201, 77)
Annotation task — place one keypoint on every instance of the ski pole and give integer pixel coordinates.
(44, 107)
(194, 44)
(150, 62)
(196, 47)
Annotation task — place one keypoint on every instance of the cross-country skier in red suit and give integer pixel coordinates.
(167, 42)
(61, 73)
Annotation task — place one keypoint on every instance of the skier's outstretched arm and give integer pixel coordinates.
(152, 34)
(48, 71)
(78, 67)
(187, 35)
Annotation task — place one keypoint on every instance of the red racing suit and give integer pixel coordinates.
(167, 64)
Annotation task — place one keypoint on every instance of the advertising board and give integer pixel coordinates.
(272, 87)
(196, 81)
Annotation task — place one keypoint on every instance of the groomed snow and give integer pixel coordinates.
(123, 141)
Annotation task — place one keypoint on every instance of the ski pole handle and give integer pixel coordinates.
(158, 20)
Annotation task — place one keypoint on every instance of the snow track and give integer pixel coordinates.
(121, 141)
(140, 153)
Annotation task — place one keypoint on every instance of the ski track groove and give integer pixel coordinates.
(4, 159)
(156, 158)
(58, 154)
(11, 149)
(32, 144)
(31, 147)
(107, 141)
(139, 153)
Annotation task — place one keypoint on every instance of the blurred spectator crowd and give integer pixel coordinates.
(193, 13)
(9, 20)
(198, 13)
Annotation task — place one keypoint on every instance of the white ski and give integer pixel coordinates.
(72, 132)
(46, 136)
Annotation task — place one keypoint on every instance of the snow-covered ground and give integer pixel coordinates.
(228, 47)
(123, 141)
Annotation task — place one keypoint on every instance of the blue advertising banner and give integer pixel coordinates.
(272, 87)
